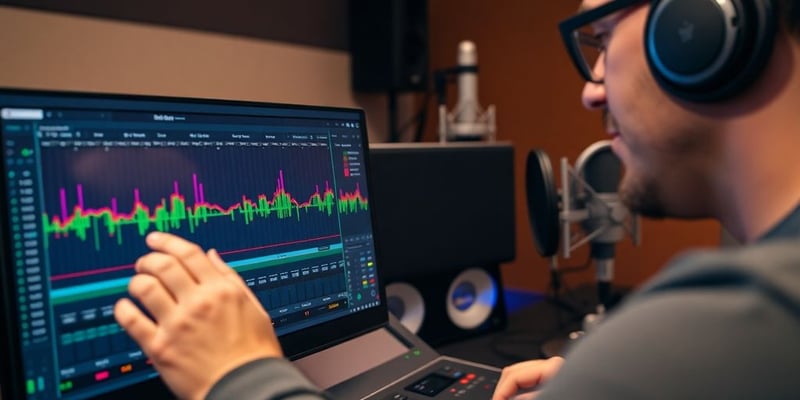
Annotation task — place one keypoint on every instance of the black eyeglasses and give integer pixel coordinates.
(584, 45)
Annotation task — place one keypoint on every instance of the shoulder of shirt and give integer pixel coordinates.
(772, 267)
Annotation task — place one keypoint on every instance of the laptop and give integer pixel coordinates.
(282, 191)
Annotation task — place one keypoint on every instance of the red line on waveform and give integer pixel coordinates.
(128, 266)
(90, 272)
(278, 244)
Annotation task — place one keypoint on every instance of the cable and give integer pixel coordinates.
(394, 135)
(423, 118)
(567, 312)
(420, 117)
(577, 268)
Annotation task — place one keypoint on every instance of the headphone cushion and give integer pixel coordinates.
(705, 50)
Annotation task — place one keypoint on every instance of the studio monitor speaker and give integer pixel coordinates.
(448, 306)
(444, 221)
(388, 42)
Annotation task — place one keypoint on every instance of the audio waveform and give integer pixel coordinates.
(352, 202)
(176, 212)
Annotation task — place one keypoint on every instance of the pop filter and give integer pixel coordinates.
(542, 202)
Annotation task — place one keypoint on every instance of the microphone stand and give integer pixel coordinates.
(605, 275)
(558, 346)
(603, 254)
(555, 284)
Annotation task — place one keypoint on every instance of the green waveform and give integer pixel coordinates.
(176, 214)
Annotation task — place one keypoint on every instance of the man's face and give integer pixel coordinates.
(667, 149)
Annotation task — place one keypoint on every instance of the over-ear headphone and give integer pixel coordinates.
(708, 50)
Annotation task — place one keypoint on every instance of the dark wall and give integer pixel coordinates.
(321, 23)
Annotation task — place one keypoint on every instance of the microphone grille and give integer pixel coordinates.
(600, 167)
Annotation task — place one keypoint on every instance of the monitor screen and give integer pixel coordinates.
(279, 190)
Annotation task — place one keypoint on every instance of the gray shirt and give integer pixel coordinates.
(720, 325)
(713, 325)
(267, 378)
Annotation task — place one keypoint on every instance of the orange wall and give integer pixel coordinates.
(526, 74)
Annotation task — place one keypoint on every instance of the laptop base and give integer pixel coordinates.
(416, 373)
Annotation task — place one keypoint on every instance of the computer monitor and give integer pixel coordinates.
(280, 190)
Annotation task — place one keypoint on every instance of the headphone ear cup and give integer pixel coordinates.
(707, 50)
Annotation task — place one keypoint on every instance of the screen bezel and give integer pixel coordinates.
(295, 344)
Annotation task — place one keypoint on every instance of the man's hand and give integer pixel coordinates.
(525, 375)
(207, 321)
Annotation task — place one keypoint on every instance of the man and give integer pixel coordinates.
(719, 324)
(713, 325)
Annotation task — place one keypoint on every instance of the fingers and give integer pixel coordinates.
(175, 278)
(552, 366)
(229, 273)
(525, 396)
(188, 254)
(524, 375)
(226, 271)
(133, 321)
(152, 294)
(220, 264)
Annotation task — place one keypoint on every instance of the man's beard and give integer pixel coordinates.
(641, 196)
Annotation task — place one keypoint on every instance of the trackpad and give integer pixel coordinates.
(363, 353)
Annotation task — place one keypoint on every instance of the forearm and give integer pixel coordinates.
(265, 379)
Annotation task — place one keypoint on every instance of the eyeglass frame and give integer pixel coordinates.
(573, 38)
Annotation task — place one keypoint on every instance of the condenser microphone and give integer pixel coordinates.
(589, 198)
(599, 172)
(467, 107)
(468, 120)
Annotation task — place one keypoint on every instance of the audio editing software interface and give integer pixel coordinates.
(282, 197)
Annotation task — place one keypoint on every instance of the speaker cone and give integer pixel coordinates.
(405, 302)
(471, 298)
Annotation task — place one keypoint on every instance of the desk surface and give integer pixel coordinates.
(533, 331)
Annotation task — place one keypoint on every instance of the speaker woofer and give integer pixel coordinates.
(405, 302)
(471, 298)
